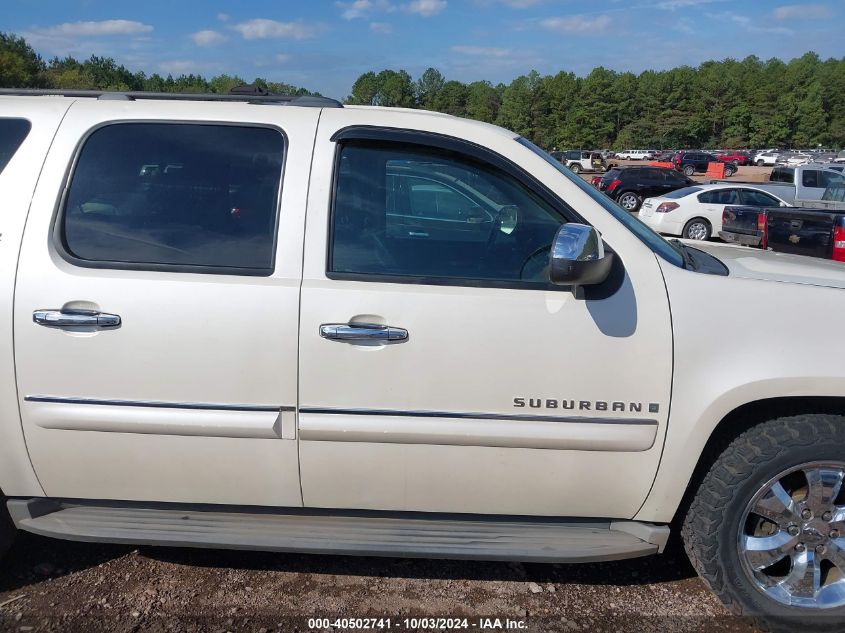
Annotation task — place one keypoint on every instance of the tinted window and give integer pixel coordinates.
(574, 155)
(12, 134)
(758, 198)
(810, 178)
(719, 196)
(782, 175)
(417, 212)
(682, 193)
(147, 195)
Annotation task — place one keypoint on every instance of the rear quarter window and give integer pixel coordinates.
(12, 135)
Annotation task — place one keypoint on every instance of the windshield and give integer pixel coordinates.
(651, 239)
(680, 193)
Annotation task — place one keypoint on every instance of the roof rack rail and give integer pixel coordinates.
(255, 94)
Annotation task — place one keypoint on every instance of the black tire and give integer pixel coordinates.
(576, 168)
(718, 515)
(730, 171)
(697, 229)
(7, 528)
(631, 199)
(761, 163)
(688, 170)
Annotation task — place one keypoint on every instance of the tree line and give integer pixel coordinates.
(749, 103)
(22, 67)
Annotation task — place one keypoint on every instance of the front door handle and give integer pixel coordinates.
(362, 332)
(75, 318)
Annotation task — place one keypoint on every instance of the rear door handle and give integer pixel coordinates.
(362, 332)
(75, 318)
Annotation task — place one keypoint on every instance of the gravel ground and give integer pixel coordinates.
(49, 585)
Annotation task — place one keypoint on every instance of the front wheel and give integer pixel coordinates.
(766, 528)
(761, 163)
(697, 229)
(689, 170)
(576, 168)
(730, 171)
(629, 201)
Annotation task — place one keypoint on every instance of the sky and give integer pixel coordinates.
(325, 45)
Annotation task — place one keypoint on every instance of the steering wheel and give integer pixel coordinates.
(534, 266)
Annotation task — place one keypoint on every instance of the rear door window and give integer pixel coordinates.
(12, 134)
(719, 196)
(810, 178)
(757, 198)
(174, 196)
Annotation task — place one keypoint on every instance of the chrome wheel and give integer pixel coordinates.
(697, 230)
(628, 201)
(792, 537)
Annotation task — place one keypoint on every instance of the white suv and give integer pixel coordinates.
(635, 154)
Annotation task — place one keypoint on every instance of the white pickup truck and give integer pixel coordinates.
(264, 323)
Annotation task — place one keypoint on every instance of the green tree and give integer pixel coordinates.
(428, 88)
(20, 65)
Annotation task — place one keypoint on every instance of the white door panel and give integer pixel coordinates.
(183, 401)
(431, 423)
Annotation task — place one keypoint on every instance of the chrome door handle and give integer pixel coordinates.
(362, 332)
(75, 318)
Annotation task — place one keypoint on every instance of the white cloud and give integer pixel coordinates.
(94, 29)
(482, 51)
(425, 8)
(799, 11)
(381, 27)
(672, 5)
(223, 17)
(207, 38)
(282, 58)
(178, 66)
(748, 24)
(513, 4)
(684, 25)
(363, 8)
(262, 28)
(577, 24)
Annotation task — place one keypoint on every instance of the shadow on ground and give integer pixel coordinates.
(33, 558)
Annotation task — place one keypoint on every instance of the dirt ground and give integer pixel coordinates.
(49, 585)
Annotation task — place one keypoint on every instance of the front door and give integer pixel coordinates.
(439, 371)
(156, 310)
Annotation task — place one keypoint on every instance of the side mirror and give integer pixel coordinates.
(578, 257)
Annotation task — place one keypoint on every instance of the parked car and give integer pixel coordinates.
(766, 159)
(579, 160)
(635, 154)
(629, 186)
(294, 342)
(698, 162)
(665, 157)
(735, 158)
(695, 212)
(798, 184)
(840, 157)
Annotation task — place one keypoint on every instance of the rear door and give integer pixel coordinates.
(156, 304)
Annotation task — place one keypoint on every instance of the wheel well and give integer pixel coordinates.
(743, 418)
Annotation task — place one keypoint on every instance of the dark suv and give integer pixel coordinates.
(696, 162)
(628, 186)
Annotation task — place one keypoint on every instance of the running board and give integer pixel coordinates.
(414, 535)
